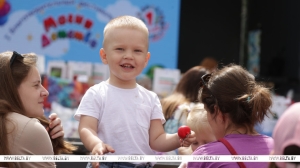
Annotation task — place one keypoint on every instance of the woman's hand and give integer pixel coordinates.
(55, 128)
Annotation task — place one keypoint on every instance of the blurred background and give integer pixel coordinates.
(261, 35)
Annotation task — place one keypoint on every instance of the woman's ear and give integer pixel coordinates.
(103, 56)
(219, 115)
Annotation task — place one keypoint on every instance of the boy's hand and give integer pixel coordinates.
(186, 142)
(100, 149)
(55, 127)
(183, 165)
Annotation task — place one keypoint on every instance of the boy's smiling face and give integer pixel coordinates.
(125, 50)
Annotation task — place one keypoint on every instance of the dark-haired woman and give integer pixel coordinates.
(234, 103)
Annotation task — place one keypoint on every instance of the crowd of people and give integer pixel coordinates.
(118, 116)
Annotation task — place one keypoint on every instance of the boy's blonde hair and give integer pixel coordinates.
(125, 22)
(197, 118)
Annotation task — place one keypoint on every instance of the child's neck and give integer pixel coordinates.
(122, 84)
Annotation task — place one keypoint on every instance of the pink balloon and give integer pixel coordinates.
(5, 9)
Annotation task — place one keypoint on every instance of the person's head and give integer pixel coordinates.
(233, 99)
(21, 91)
(189, 83)
(197, 121)
(286, 134)
(186, 90)
(21, 84)
(125, 48)
(209, 63)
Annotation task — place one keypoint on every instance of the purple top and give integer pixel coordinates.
(243, 145)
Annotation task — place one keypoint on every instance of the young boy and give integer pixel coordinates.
(118, 115)
(197, 121)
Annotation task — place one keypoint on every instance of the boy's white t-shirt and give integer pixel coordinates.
(123, 115)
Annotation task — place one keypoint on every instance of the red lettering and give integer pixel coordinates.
(70, 18)
(49, 22)
(79, 19)
(88, 24)
(45, 41)
(78, 35)
(61, 20)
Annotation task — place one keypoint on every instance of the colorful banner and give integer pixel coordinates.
(71, 30)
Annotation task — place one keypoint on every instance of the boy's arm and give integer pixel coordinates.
(88, 134)
(159, 140)
(163, 142)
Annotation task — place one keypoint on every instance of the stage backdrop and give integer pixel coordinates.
(71, 30)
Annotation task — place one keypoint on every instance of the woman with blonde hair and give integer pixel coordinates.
(177, 105)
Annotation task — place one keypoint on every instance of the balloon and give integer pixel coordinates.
(2, 3)
(3, 20)
(183, 131)
(4, 9)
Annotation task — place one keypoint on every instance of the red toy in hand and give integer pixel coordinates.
(183, 131)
